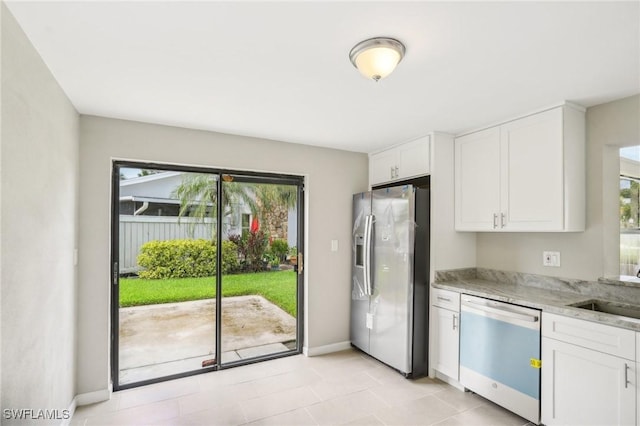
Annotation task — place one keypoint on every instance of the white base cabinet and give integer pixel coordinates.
(446, 329)
(585, 387)
(410, 159)
(587, 379)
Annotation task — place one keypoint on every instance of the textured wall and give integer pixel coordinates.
(39, 188)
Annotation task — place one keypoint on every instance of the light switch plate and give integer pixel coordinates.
(334, 245)
(369, 321)
(551, 258)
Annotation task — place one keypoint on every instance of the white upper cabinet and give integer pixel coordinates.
(400, 162)
(526, 175)
(382, 166)
(477, 180)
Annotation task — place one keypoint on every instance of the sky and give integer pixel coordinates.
(631, 152)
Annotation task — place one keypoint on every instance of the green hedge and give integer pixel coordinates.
(185, 259)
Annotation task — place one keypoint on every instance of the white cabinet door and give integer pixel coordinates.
(477, 180)
(585, 387)
(382, 166)
(447, 343)
(401, 162)
(413, 158)
(535, 184)
(532, 173)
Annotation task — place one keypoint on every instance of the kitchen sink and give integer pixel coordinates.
(621, 309)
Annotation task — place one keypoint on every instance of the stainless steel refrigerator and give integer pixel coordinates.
(390, 277)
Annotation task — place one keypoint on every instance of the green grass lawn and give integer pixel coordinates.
(277, 287)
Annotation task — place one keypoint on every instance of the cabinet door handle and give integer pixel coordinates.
(495, 220)
(626, 375)
(455, 319)
(502, 220)
(392, 175)
(397, 172)
(446, 299)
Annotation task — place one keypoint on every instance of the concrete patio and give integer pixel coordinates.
(172, 338)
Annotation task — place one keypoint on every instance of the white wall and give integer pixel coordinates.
(593, 253)
(332, 177)
(2, 7)
(449, 249)
(38, 229)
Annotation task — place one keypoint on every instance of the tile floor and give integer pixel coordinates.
(146, 372)
(341, 388)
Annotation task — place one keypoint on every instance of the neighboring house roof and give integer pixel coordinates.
(148, 178)
(157, 187)
(629, 168)
(150, 199)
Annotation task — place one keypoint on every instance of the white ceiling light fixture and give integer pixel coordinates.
(377, 57)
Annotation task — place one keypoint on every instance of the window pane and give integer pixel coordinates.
(629, 211)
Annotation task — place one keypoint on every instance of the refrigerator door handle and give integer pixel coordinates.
(370, 267)
(368, 224)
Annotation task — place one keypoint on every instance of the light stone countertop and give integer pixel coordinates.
(546, 299)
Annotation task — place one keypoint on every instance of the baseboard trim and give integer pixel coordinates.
(71, 410)
(456, 384)
(93, 397)
(326, 349)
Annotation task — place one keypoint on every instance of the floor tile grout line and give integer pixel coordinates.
(316, 395)
(271, 394)
(244, 415)
(447, 403)
(306, 409)
(481, 401)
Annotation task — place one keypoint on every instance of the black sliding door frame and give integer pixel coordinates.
(241, 176)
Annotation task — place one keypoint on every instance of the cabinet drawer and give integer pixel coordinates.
(446, 299)
(591, 335)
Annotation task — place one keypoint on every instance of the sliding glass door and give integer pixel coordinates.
(259, 306)
(198, 285)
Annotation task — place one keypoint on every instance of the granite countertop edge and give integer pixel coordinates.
(552, 301)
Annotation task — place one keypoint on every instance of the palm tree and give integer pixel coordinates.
(198, 197)
(268, 202)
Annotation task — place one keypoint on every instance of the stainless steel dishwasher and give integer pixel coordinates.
(500, 354)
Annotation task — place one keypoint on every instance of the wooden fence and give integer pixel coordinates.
(137, 230)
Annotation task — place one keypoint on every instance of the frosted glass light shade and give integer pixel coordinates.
(376, 58)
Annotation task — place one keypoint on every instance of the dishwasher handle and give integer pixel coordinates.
(503, 312)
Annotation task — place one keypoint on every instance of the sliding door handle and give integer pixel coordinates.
(114, 273)
(300, 261)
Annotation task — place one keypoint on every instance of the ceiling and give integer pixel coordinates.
(280, 70)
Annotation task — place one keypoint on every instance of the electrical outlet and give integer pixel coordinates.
(551, 258)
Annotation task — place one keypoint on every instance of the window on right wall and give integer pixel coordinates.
(630, 211)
